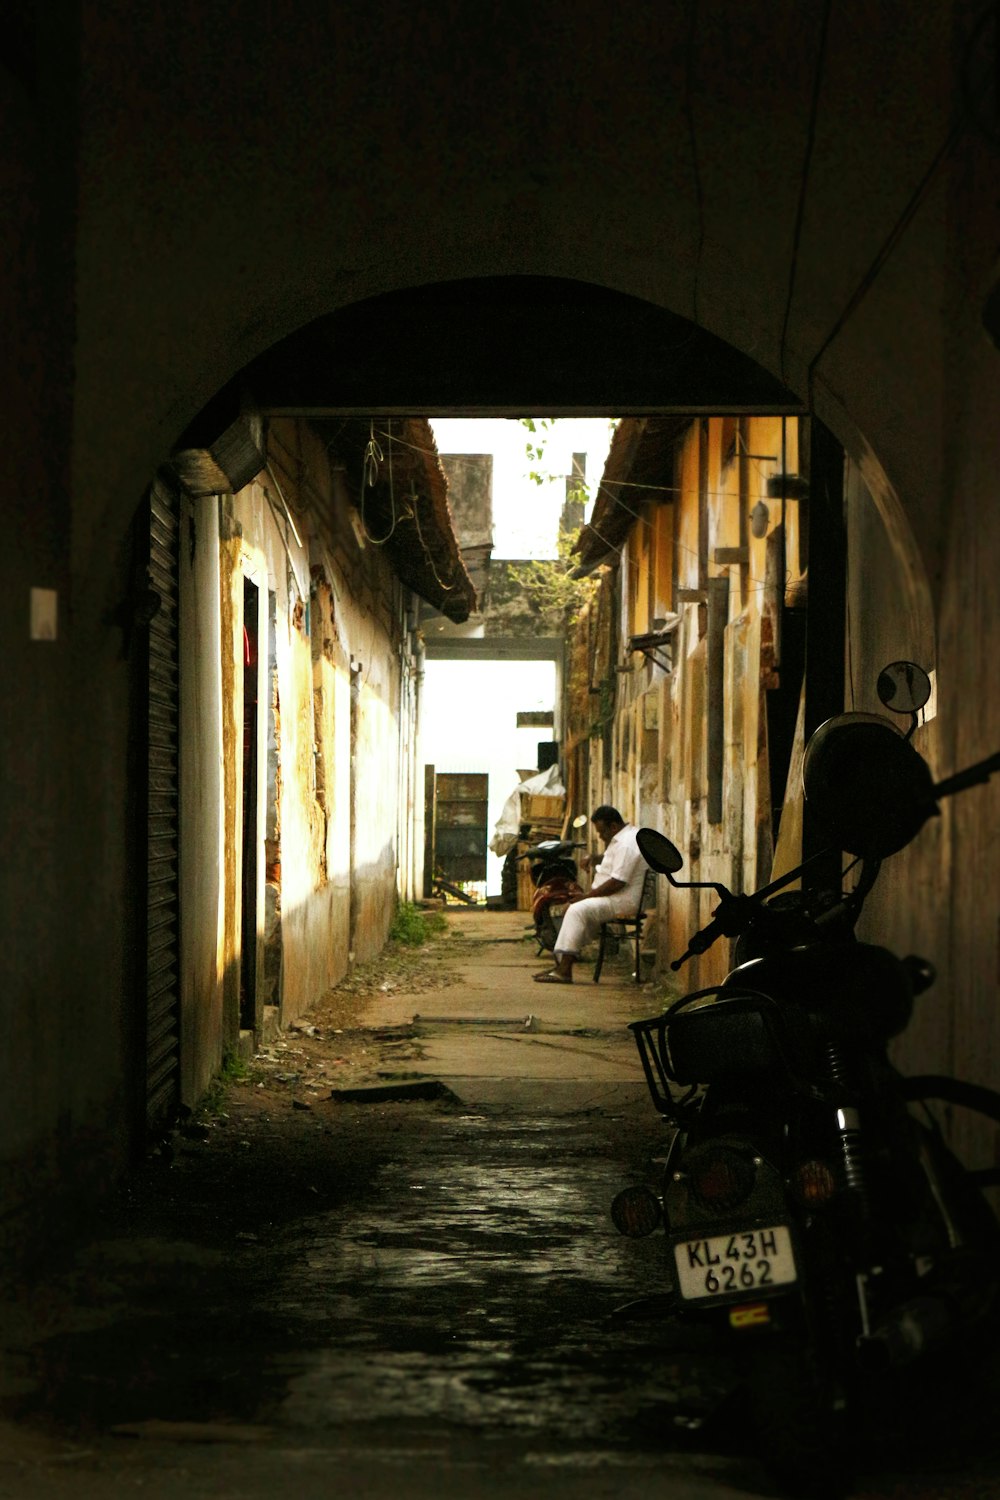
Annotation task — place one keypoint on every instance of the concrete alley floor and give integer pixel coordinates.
(379, 1297)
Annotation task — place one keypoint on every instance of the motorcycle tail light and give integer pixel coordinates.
(813, 1183)
(636, 1211)
(721, 1179)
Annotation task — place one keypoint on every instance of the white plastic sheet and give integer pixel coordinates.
(545, 784)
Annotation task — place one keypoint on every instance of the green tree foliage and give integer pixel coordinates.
(547, 584)
(535, 452)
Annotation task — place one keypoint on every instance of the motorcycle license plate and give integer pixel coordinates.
(748, 1261)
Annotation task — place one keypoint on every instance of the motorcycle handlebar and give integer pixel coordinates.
(700, 942)
(971, 776)
(735, 914)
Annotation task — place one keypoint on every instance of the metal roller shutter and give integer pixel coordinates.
(163, 814)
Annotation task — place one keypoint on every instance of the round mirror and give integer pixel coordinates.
(658, 852)
(580, 819)
(903, 687)
(867, 787)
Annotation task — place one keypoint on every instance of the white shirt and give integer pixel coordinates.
(622, 861)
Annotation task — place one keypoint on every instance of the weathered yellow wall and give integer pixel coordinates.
(932, 898)
(337, 736)
(129, 300)
(376, 789)
(656, 767)
(345, 741)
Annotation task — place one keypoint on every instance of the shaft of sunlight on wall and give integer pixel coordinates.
(470, 724)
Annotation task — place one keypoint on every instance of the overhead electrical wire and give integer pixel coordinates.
(804, 178)
(415, 513)
(618, 547)
(664, 489)
(966, 115)
(284, 504)
(369, 477)
(887, 247)
(374, 457)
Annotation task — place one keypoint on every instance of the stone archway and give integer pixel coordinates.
(506, 345)
(743, 166)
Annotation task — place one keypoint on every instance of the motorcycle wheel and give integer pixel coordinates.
(548, 928)
(796, 1420)
(971, 1274)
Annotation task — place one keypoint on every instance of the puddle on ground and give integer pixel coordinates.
(469, 1278)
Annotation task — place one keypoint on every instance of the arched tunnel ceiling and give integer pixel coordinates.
(508, 345)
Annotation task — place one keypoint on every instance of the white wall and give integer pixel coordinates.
(526, 514)
(470, 724)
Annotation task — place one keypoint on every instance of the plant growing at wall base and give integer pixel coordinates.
(412, 926)
(232, 1070)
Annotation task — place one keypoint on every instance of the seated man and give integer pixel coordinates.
(617, 894)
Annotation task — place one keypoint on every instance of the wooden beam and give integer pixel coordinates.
(718, 618)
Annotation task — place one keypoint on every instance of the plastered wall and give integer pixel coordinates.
(167, 223)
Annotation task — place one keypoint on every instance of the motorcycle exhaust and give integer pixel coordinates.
(908, 1332)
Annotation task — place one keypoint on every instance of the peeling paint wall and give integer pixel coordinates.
(127, 303)
(333, 762)
(641, 737)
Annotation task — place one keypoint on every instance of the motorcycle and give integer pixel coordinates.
(816, 1221)
(553, 874)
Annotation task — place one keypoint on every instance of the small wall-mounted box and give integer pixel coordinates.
(44, 614)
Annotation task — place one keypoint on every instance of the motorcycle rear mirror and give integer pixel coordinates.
(580, 820)
(659, 853)
(903, 687)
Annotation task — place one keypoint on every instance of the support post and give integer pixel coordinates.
(824, 669)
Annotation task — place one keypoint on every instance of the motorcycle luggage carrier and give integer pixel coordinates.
(650, 1038)
(745, 1032)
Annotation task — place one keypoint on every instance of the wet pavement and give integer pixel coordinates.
(407, 1297)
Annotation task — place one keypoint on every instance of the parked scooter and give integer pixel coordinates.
(815, 1217)
(553, 874)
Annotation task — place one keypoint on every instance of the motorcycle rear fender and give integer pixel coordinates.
(555, 893)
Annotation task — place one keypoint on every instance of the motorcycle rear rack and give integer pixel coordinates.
(651, 1039)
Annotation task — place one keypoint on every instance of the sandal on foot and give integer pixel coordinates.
(549, 976)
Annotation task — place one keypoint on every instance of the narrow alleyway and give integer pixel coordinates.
(380, 1295)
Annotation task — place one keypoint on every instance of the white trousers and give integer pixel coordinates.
(584, 919)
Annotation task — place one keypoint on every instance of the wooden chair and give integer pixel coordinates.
(623, 927)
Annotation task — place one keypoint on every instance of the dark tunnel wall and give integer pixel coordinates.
(189, 185)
